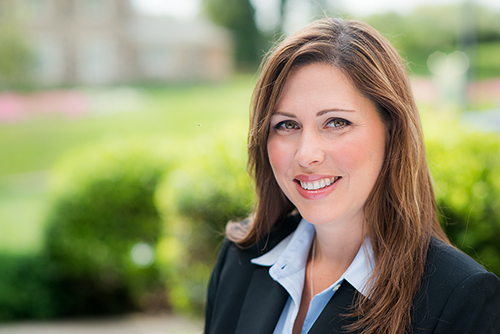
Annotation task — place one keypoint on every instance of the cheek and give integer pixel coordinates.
(277, 155)
(375, 154)
(363, 154)
(349, 153)
(281, 156)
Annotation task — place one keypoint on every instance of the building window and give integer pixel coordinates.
(96, 61)
(49, 61)
(37, 10)
(157, 62)
(33, 11)
(95, 10)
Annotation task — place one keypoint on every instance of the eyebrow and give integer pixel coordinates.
(322, 112)
(318, 114)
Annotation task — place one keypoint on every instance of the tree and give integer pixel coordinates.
(239, 17)
(441, 29)
(15, 57)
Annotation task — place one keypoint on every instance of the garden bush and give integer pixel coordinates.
(466, 168)
(103, 228)
(196, 200)
(26, 287)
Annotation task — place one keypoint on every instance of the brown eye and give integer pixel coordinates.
(286, 125)
(338, 123)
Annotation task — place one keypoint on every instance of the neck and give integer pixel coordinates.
(336, 248)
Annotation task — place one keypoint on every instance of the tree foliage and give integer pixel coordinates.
(15, 57)
(429, 29)
(416, 35)
(239, 17)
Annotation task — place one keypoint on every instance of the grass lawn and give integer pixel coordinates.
(31, 147)
(21, 227)
(488, 60)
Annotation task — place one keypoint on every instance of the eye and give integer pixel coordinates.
(286, 125)
(338, 123)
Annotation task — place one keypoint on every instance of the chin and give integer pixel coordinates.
(320, 216)
(315, 218)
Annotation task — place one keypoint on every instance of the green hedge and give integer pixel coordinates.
(26, 287)
(466, 169)
(103, 227)
(211, 188)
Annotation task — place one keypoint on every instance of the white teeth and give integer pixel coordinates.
(317, 184)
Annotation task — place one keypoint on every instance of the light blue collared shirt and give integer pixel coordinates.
(287, 262)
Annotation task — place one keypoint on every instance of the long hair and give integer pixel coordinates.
(400, 212)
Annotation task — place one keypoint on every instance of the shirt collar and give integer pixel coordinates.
(290, 255)
(295, 246)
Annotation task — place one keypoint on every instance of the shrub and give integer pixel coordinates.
(196, 201)
(103, 227)
(466, 169)
(25, 287)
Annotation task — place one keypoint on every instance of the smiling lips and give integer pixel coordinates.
(318, 184)
(311, 188)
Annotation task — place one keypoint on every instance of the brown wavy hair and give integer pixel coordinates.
(400, 213)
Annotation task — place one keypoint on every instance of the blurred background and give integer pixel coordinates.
(122, 139)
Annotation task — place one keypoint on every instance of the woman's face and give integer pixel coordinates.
(326, 144)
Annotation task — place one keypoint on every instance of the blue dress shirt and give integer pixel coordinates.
(287, 262)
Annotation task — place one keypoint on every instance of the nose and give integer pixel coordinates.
(310, 150)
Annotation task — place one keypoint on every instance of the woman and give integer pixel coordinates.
(344, 236)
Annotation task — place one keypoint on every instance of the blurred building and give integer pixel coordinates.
(107, 42)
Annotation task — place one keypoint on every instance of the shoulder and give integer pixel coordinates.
(456, 293)
(448, 269)
(281, 229)
(443, 259)
(234, 264)
(233, 274)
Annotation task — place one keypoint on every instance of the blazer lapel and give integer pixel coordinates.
(331, 320)
(263, 304)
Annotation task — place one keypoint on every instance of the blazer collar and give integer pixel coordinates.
(264, 302)
(265, 298)
(333, 319)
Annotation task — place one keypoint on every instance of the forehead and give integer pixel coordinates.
(319, 86)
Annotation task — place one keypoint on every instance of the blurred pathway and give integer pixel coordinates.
(131, 324)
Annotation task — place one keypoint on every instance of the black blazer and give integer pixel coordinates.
(457, 295)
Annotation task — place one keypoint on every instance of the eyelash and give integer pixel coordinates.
(280, 125)
(344, 121)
